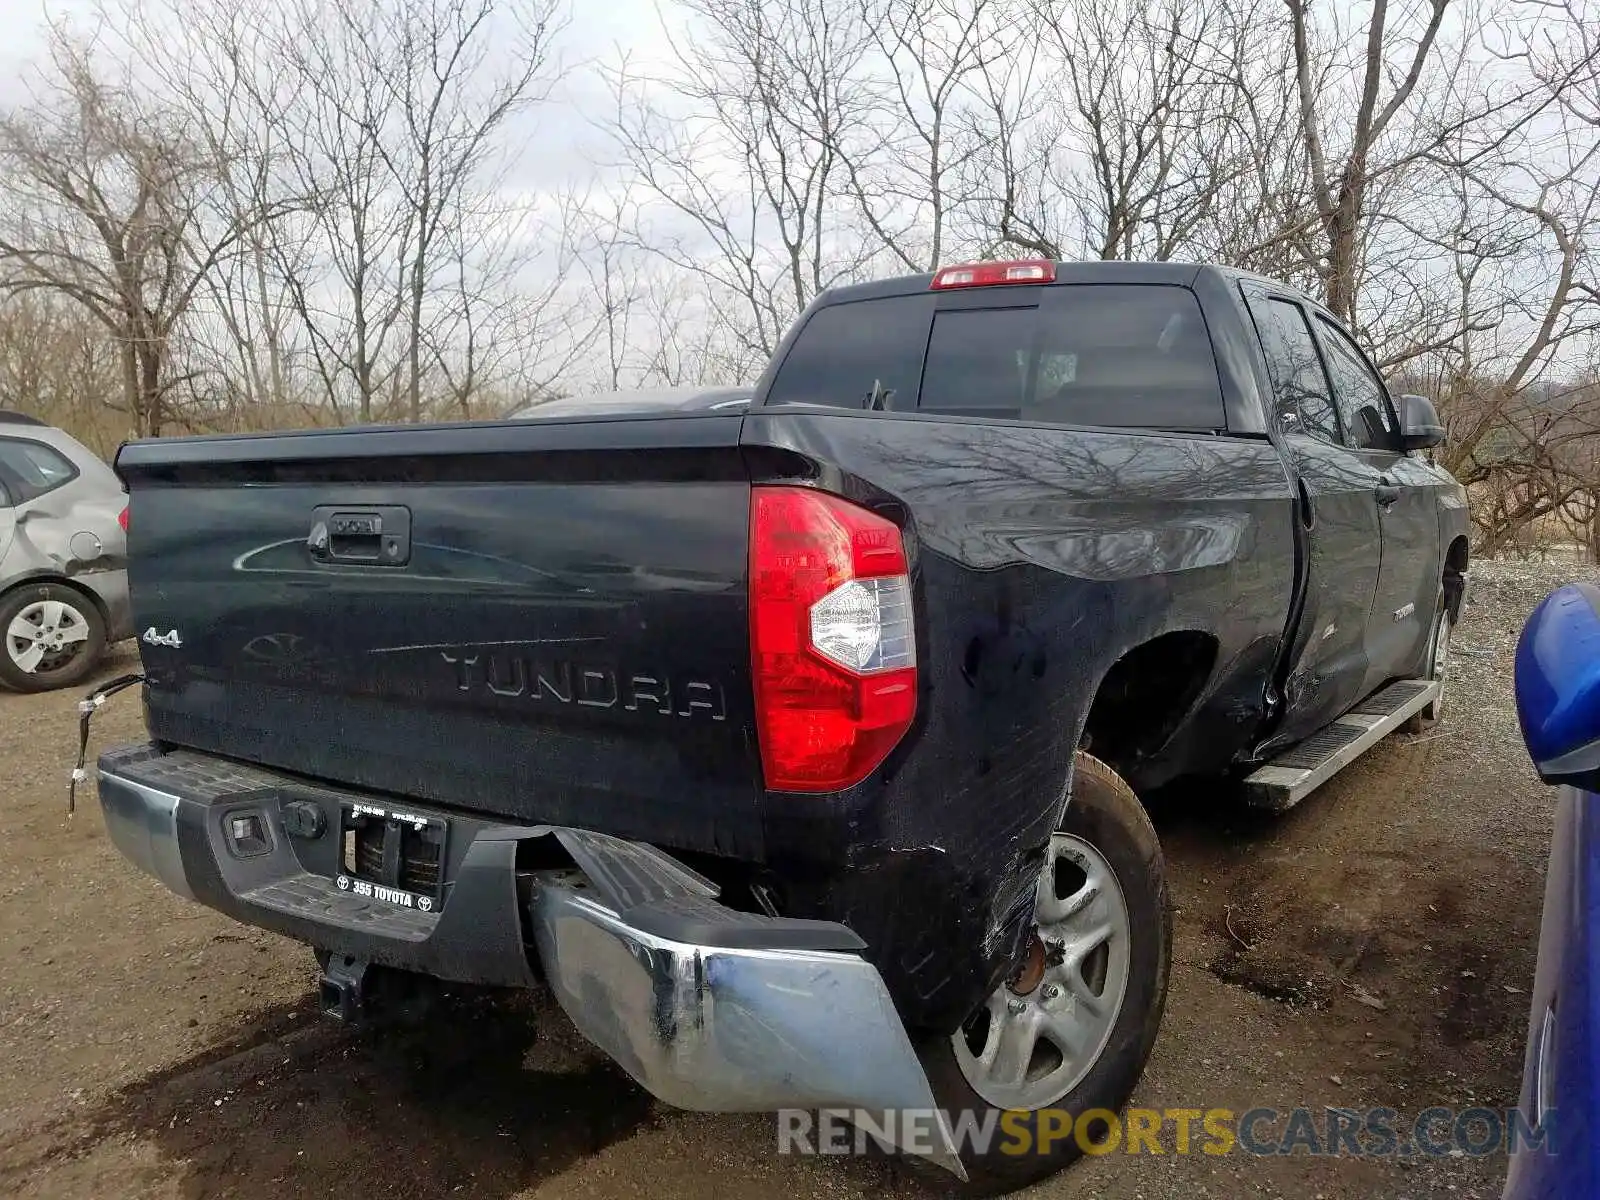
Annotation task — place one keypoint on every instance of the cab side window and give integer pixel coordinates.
(1298, 380)
(1363, 399)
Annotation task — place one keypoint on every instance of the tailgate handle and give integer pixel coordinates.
(376, 537)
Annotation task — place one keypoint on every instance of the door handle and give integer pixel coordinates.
(379, 536)
(1388, 494)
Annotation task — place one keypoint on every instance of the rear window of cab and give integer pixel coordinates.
(1114, 355)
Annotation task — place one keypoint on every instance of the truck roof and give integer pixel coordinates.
(1180, 274)
(688, 398)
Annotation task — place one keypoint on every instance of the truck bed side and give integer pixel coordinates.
(1043, 557)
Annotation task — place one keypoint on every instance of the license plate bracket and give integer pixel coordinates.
(392, 854)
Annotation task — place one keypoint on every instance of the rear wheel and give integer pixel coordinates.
(1071, 1031)
(53, 637)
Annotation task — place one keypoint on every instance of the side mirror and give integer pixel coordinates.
(1420, 427)
(1558, 686)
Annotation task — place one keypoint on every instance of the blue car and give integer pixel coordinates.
(1558, 703)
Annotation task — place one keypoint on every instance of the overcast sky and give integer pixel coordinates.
(557, 143)
(596, 29)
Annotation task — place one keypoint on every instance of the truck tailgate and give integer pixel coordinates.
(543, 620)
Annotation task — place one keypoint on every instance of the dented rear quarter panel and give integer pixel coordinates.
(1041, 555)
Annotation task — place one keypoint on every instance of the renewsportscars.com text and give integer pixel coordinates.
(1325, 1132)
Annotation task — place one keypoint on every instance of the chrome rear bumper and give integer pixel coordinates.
(143, 823)
(729, 1029)
(706, 1007)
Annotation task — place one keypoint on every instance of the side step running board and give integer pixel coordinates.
(1301, 769)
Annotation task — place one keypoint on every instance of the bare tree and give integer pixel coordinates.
(613, 266)
(740, 148)
(1526, 436)
(1152, 103)
(904, 158)
(57, 363)
(450, 77)
(1123, 130)
(509, 320)
(378, 128)
(105, 204)
(1406, 90)
(1340, 185)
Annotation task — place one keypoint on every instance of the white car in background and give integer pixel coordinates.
(63, 557)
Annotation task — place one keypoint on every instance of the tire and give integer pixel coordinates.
(51, 636)
(1105, 815)
(1437, 667)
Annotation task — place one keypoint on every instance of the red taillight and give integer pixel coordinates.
(988, 274)
(122, 518)
(832, 645)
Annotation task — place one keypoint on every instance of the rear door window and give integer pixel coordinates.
(1123, 356)
(844, 351)
(1363, 398)
(30, 469)
(1298, 381)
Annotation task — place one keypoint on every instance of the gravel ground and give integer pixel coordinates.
(1373, 947)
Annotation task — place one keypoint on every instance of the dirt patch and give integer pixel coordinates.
(439, 1108)
(1373, 947)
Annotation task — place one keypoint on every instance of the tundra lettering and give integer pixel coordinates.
(590, 687)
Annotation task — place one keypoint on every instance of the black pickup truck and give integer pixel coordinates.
(794, 746)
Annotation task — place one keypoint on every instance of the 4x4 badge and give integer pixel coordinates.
(169, 638)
